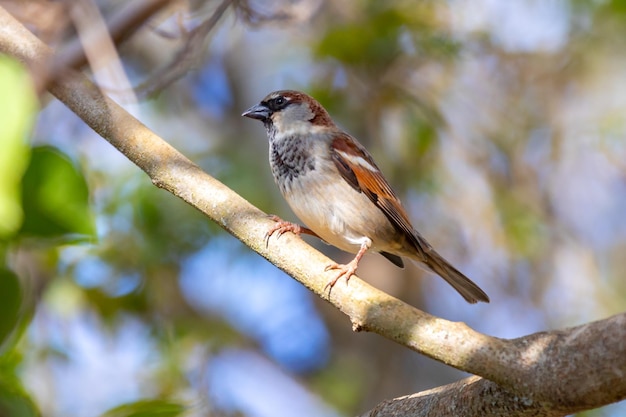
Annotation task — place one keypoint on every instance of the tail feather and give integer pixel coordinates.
(466, 287)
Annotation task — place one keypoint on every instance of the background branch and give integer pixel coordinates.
(187, 58)
(121, 26)
(561, 371)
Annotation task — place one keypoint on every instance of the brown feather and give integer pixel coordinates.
(366, 177)
(371, 183)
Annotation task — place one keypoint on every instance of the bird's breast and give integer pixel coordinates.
(332, 208)
(290, 159)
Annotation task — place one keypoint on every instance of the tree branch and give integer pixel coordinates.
(551, 374)
(120, 27)
(187, 58)
(548, 373)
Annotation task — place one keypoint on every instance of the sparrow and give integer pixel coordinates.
(335, 188)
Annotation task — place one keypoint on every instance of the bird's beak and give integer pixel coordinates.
(259, 112)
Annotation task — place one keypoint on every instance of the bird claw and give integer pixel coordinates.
(346, 270)
(280, 228)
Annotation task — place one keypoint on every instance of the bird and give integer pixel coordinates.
(333, 185)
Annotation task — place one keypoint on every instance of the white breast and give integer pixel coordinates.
(339, 214)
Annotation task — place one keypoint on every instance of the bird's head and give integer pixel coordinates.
(290, 112)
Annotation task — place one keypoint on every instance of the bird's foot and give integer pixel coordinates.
(345, 270)
(348, 269)
(282, 227)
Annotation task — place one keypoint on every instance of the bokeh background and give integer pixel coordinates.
(501, 123)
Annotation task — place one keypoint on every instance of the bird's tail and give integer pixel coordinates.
(465, 286)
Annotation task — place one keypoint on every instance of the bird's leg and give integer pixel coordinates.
(348, 269)
(282, 226)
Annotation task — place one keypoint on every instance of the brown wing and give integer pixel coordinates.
(358, 168)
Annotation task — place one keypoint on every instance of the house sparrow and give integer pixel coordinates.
(333, 185)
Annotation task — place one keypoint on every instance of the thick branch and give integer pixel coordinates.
(563, 371)
(566, 371)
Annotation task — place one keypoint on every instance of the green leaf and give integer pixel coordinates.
(55, 197)
(147, 408)
(14, 401)
(10, 303)
(371, 43)
(18, 104)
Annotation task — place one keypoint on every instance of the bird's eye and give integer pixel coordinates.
(278, 103)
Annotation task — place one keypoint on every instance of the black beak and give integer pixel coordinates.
(259, 112)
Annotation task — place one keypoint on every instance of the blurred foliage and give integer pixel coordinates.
(492, 145)
(10, 303)
(54, 197)
(14, 401)
(381, 32)
(149, 408)
(525, 230)
(17, 107)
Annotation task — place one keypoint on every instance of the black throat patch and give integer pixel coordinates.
(289, 159)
